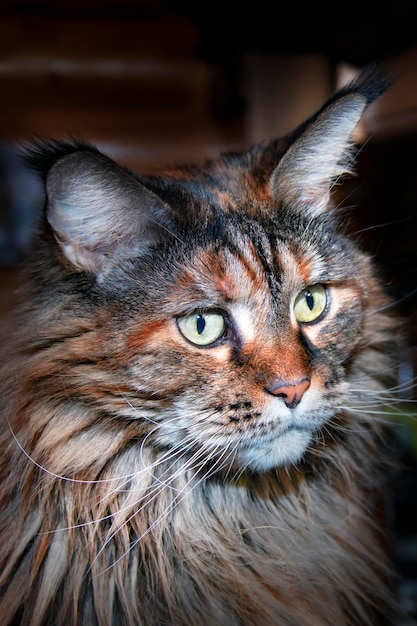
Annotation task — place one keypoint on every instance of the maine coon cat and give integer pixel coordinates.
(190, 429)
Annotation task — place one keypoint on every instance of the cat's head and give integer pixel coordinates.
(216, 313)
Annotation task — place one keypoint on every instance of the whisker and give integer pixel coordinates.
(148, 419)
(52, 474)
(178, 498)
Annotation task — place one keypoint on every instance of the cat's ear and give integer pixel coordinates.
(99, 211)
(324, 149)
(318, 157)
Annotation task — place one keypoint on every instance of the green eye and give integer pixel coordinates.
(202, 329)
(310, 303)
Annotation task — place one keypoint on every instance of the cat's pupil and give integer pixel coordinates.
(309, 300)
(201, 323)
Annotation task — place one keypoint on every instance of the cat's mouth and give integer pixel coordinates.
(264, 453)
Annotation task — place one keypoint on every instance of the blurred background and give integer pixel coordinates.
(153, 82)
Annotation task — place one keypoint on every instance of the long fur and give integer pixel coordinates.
(143, 482)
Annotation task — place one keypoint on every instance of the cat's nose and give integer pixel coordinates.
(290, 392)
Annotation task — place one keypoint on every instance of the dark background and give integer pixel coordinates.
(152, 82)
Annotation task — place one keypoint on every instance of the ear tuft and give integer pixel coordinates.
(324, 149)
(321, 155)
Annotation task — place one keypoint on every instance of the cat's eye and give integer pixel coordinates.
(311, 303)
(202, 328)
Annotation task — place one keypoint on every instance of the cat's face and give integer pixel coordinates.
(215, 314)
(246, 349)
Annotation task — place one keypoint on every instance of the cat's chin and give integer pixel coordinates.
(285, 449)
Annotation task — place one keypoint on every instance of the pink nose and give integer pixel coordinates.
(290, 392)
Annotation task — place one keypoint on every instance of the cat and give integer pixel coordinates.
(190, 429)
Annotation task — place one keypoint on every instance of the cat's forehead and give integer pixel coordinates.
(246, 270)
(229, 183)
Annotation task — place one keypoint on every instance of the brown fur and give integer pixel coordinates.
(144, 481)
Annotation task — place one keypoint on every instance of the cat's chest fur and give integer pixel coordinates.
(189, 396)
